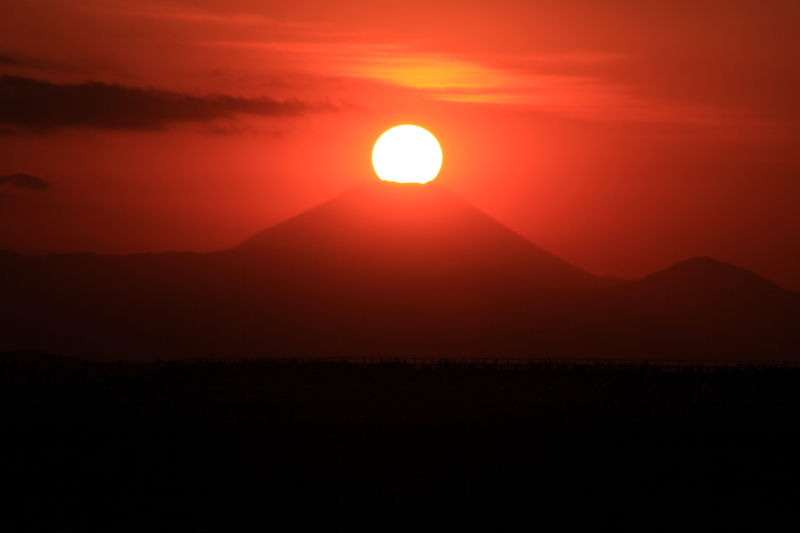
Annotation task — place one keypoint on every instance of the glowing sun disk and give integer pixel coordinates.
(407, 154)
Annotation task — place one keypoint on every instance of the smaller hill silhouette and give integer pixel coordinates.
(704, 277)
(724, 309)
(705, 285)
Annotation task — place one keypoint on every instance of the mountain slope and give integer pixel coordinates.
(702, 286)
(723, 310)
(411, 227)
(386, 270)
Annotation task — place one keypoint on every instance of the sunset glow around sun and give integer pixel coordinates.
(407, 154)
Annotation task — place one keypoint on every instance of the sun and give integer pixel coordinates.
(407, 154)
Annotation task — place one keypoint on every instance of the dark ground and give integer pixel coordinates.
(394, 446)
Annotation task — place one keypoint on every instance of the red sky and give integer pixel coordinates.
(622, 136)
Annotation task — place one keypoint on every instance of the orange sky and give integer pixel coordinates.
(620, 135)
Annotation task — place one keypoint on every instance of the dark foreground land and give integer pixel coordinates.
(410, 445)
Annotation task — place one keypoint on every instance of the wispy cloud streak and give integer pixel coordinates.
(41, 105)
(529, 81)
(26, 181)
(8, 60)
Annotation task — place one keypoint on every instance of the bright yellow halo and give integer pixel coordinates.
(407, 154)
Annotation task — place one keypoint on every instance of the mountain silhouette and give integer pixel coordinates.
(386, 270)
(715, 300)
(414, 228)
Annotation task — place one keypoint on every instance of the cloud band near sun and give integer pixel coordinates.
(26, 181)
(40, 105)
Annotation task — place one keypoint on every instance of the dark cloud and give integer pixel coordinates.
(26, 181)
(40, 105)
(6, 60)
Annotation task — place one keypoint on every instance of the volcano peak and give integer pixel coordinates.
(421, 226)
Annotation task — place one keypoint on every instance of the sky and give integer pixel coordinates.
(620, 135)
